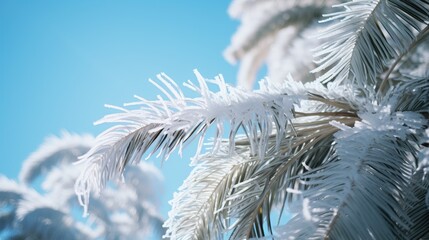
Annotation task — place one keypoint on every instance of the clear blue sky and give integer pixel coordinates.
(61, 61)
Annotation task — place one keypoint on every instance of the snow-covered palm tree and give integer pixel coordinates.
(346, 154)
(125, 210)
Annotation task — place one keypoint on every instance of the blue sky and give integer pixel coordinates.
(61, 61)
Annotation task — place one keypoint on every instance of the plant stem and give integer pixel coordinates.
(414, 44)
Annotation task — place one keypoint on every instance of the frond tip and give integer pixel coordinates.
(166, 125)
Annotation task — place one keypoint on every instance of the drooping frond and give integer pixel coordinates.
(368, 35)
(195, 208)
(416, 207)
(274, 183)
(410, 94)
(248, 36)
(261, 37)
(122, 209)
(129, 210)
(20, 201)
(290, 53)
(363, 184)
(253, 186)
(54, 152)
(169, 124)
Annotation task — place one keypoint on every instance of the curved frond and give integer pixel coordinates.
(274, 184)
(196, 207)
(252, 186)
(169, 124)
(366, 37)
(290, 53)
(364, 183)
(249, 35)
(53, 152)
(251, 63)
(410, 94)
(260, 32)
(416, 207)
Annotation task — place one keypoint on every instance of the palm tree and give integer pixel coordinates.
(346, 154)
(127, 210)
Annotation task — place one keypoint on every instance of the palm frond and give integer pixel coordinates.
(246, 38)
(251, 185)
(273, 183)
(410, 94)
(416, 207)
(261, 25)
(169, 124)
(364, 182)
(368, 35)
(251, 62)
(196, 207)
(53, 152)
(290, 53)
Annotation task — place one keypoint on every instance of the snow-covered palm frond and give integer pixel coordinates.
(368, 36)
(246, 39)
(122, 210)
(21, 206)
(273, 183)
(418, 196)
(411, 94)
(169, 124)
(131, 204)
(416, 207)
(364, 182)
(54, 152)
(232, 189)
(128, 211)
(268, 32)
(196, 207)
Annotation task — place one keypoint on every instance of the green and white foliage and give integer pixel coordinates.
(346, 154)
(126, 210)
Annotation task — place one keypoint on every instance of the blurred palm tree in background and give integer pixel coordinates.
(43, 204)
